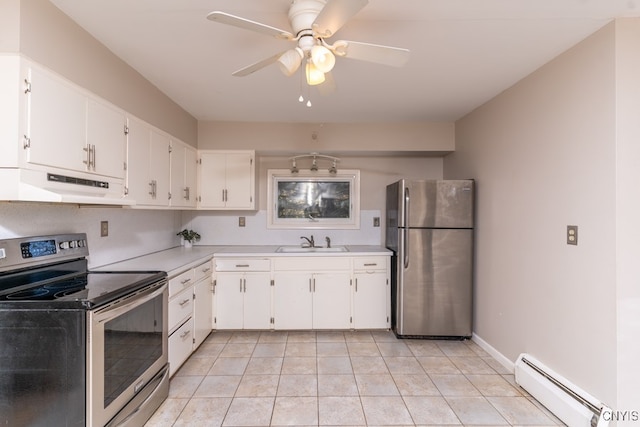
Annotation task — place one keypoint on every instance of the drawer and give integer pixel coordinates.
(180, 308)
(370, 263)
(180, 346)
(201, 271)
(311, 263)
(180, 282)
(243, 264)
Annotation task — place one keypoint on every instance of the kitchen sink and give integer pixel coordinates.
(300, 249)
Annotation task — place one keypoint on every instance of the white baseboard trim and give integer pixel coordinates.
(502, 359)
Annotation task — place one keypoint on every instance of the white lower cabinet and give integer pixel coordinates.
(190, 312)
(371, 293)
(302, 292)
(312, 293)
(243, 293)
(203, 305)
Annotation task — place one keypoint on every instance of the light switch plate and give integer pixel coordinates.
(241, 221)
(572, 234)
(376, 221)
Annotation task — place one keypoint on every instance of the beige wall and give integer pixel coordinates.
(9, 26)
(290, 138)
(50, 38)
(628, 210)
(545, 155)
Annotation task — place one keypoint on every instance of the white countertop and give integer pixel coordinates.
(176, 260)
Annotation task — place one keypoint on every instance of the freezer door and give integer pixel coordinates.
(434, 283)
(436, 203)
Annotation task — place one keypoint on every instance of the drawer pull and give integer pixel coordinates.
(204, 270)
(185, 334)
(185, 281)
(242, 265)
(370, 264)
(185, 301)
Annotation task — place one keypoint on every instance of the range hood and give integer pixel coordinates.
(41, 186)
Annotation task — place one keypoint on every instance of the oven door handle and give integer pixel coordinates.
(130, 301)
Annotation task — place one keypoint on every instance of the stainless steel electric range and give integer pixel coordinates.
(78, 348)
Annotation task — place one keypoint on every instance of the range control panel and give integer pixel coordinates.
(18, 252)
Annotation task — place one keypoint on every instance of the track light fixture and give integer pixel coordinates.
(333, 169)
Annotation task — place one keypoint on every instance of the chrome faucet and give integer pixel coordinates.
(310, 243)
(328, 241)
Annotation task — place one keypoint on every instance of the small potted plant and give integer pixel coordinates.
(188, 236)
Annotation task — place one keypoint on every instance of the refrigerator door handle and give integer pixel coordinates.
(405, 235)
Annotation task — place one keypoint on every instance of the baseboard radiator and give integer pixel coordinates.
(572, 405)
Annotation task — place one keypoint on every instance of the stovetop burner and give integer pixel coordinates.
(50, 291)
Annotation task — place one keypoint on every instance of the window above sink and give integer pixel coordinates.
(313, 200)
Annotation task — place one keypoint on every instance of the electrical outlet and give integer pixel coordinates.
(376, 221)
(241, 221)
(104, 228)
(572, 234)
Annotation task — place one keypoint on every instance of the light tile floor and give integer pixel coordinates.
(343, 379)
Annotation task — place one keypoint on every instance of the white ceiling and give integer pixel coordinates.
(463, 53)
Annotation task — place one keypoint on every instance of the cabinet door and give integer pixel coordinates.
(211, 185)
(105, 134)
(178, 165)
(159, 167)
(292, 300)
(229, 299)
(239, 180)
(56, 123)
(191, 179)
(202, 311)
(257, 301)
(138, 148)
(371, 300)
(331, 301)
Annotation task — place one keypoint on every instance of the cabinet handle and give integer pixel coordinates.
(226, 198)
(310, 285)
(314, 284)
(223, 195)
(245, 285)
(185, 281)
(93, 160)
(187, 195)
(356, 284)
(185, 334)
(204, 270)
(242, 265)
(371, 264)
(184, 301)
(241, 285)
(87, 150)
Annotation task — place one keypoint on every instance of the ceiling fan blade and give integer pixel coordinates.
(247, 24)
(386, 55)
(335, 14)
(328, 86)
(257, 66)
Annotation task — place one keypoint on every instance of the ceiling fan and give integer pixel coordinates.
(313, 22)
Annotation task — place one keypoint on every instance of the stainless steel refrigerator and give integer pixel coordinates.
(429, 228)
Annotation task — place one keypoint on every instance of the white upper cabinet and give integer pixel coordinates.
(226, 180)
(147, 164)
(107, 139)
(68, 129)
(183, 174)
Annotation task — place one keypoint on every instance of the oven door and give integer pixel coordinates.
(127, 347)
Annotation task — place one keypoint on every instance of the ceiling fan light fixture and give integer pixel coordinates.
(314, 76)
(322, 58)
(290, 61)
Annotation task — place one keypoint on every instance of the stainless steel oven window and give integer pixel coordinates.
(132, 343)
(127, 348)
